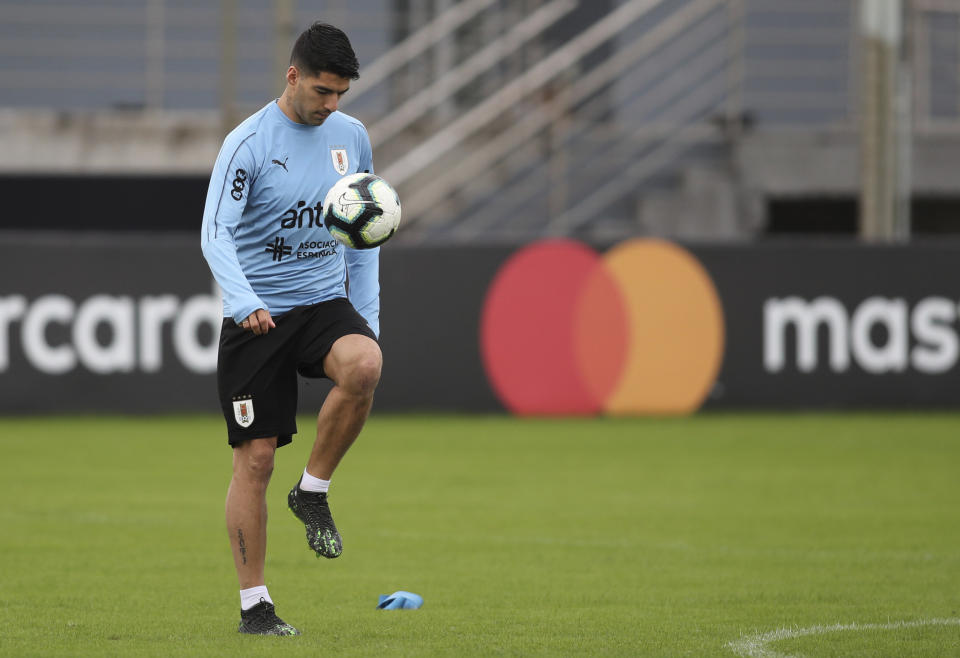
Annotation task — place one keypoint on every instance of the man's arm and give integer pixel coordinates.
(363, 271)
(363, 265)
(226, 198)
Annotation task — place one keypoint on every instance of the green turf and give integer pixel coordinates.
(669, 537)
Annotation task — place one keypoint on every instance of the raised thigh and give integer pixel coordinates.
(354, 357)
(331, 322)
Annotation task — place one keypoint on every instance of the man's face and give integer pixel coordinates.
(315, 97)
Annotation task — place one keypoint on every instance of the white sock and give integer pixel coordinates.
(310, 483)
(251, 597)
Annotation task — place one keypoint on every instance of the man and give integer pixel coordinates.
(286, 303)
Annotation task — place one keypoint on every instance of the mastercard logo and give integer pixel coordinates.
(636, 330)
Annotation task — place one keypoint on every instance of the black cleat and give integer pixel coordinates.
(312, 508)
(262, 619)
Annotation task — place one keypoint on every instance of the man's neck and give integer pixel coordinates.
(284, 104)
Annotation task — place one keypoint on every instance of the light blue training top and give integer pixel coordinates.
(263, 234)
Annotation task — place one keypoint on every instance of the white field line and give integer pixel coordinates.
(755, 646)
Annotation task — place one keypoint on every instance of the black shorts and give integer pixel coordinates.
(257, 375)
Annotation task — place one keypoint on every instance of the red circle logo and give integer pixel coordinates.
(566, 331)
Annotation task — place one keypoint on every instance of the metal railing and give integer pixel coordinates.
(588, 124)
(462, 74)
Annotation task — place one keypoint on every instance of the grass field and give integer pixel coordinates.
(680, 537)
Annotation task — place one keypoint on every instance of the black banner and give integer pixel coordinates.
(830, 326)
(92, 323)
(97, 323)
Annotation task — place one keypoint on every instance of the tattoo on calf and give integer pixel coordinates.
(243, 545)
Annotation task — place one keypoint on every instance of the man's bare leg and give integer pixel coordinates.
(246, 508)
(246, 512)
(354, 365)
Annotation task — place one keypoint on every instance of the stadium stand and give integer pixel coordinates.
(498, 121)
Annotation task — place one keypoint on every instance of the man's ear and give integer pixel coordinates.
(292, 75)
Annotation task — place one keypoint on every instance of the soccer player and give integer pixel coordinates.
(294, 300)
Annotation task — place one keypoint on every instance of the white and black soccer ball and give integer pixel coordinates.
(361, 211)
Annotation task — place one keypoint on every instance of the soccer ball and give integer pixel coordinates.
(361, 211)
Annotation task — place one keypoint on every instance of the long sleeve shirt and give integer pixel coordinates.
(263, 234)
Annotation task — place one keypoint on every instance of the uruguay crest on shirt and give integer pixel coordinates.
(340, 161)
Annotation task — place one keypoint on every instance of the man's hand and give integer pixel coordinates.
(259, 322)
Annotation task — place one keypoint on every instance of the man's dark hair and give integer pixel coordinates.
(323, 47)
